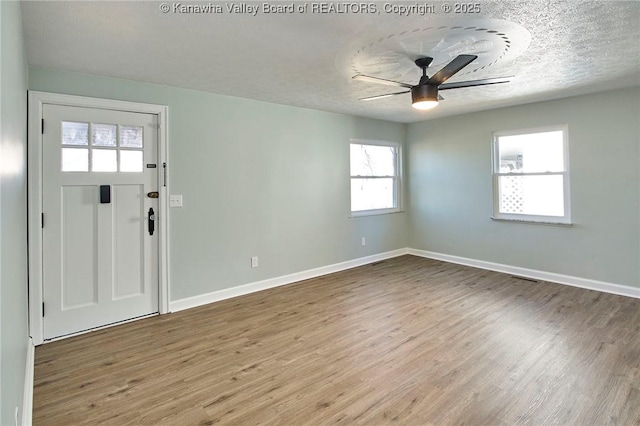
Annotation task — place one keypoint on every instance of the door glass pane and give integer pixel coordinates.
(103, 134)
(131, 136)
(372, 160)
(130, 161)
(75, 133)
(104, 160)
(75, 160)
(370, 194)
(532, 195)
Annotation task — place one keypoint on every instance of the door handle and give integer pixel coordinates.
(152, 221)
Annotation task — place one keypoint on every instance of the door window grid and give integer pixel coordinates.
(101, 147)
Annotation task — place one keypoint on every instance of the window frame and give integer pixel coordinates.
(564, 220)
(398, 181)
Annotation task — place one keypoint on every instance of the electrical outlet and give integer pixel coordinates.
(175, 200)
(254, 262)
(364, 241)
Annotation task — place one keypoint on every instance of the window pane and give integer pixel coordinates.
(531, 153)
(370, 194)
(75, 133)
(532, 195)
(75, 160)
(372, 160)
(130, 161)
(103, 134)
(104, 160)
(131, 136)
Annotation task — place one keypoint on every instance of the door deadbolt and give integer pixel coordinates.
(153, 194)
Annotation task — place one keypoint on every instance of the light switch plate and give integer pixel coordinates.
(175, 200)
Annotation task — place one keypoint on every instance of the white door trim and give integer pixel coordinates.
(34, 160)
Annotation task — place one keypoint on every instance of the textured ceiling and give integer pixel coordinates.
(307, 57)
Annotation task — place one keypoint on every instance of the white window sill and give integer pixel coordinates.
(373, 213)
(533, 222)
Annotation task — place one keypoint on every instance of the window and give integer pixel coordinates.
(530, 176)
(375, 177)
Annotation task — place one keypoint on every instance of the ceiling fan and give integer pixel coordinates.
(424, 95)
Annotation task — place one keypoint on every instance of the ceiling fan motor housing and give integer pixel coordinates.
(424, 92)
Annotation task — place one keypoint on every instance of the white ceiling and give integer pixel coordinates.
(555, 49)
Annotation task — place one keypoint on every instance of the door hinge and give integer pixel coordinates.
(42, 126)
(43, 309)
(42, 220)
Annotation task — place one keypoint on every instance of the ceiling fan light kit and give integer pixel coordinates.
(424, 97)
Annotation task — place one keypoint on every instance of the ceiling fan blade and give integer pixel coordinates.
(370, 98)
(472, 83)
(368, 79)
(451, 68)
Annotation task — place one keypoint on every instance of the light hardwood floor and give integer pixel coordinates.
(406, 341)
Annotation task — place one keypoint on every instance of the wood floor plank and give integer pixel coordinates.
(404, 341)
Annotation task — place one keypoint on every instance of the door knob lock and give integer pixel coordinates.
(152, 221)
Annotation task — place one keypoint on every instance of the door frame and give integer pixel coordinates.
(34, 175)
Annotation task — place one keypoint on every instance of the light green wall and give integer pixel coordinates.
(258, 179)
(13, 212)
(450, 189)
(273, 182)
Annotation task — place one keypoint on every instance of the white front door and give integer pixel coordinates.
(100, 251)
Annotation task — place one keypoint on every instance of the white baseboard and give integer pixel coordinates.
(204, 299)
(228, 293)
(27, 397)
(605, 287)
